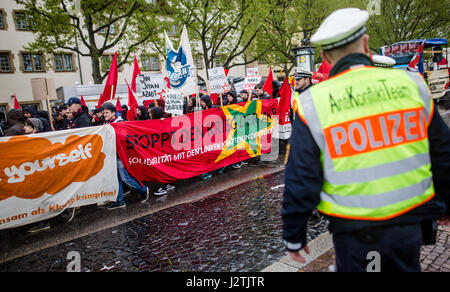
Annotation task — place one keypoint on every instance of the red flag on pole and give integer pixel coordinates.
(118, 105)
(16, 103)
(83, 102)
(416, 59)
(132, 104)
(111, 83)
(285, 102)
(101, 101)
(268, 86)
(136, 72)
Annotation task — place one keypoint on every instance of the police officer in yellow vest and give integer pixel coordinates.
(303, 82)
(370, 152)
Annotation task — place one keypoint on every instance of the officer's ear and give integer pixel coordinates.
(366, 44)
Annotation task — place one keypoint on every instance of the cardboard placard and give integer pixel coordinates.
(43, 87)
(174, 102)
(251, 81)
(218, 81)
(152, 86)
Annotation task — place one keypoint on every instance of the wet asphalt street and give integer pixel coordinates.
(236, 230)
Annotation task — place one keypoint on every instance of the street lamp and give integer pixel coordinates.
(304, 57)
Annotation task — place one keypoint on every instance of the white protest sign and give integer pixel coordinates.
(251, 81)
(218, 80)
(174, 102)
(252, 72)
(152, 86)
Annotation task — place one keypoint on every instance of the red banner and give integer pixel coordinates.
(187, 146)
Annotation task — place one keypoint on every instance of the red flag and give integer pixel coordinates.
(132, 104)
(416, 59)
(136, 72)
(118, 105)
(285, 102)
(215, 98)
(101, 101)
(83, 102)
(323, 73)
(227, 71)
(268, 86)
(111, 83)
(16, 103)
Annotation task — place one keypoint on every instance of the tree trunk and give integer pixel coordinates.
(96, 72)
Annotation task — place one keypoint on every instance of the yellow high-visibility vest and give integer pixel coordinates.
(371, 127)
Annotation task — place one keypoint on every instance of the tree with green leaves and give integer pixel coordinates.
(92, 27)
(290, 24)
(403, 20)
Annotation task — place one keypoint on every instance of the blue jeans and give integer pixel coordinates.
(125, 177)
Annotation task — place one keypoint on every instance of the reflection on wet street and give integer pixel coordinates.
(235, 230)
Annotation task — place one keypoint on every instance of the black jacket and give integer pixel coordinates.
(81, 120)
(304, 177)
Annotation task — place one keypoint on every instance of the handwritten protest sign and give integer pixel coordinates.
(218, 80)
(252, 72)
(174, 102)
(251, 81)
(152, 85)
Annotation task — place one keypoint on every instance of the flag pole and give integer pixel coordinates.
(112, 93)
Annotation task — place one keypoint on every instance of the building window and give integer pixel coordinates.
(219, 61)
(23, 21)
(150, 63)
(173, 32)
(33, 62)
(5, 63)
(3, 24)
(198, 62)
(106, 61)
(112, 29)
(63, 62)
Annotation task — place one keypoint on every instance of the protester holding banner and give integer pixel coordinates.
(110, 114)
(243, 96)
(231, 97)
(81, 119)
(156, 113)
(97, 117)
(142, 113)
(29, 127)
(206, 102)
(191, 103)
(31, 112)
(260, 93)
(59, 121)
(15, 123)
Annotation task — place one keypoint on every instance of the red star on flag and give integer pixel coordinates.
(225, 87)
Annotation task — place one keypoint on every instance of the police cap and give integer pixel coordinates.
(341, 27)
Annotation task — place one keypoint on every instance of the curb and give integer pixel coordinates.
(317, 247)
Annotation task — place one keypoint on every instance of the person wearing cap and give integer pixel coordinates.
(80, 119)
(369, 151)
(383, 61)
(302, 82)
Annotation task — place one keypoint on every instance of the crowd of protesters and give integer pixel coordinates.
(73, 115)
